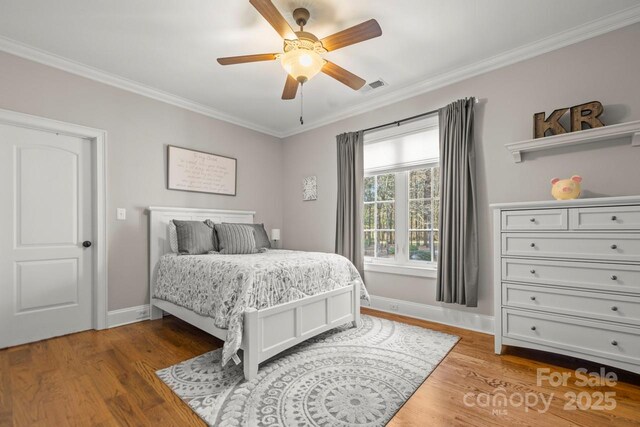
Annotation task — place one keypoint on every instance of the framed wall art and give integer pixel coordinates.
(198, 171)
(309, 189)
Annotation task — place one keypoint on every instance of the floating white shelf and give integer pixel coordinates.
(622, 130)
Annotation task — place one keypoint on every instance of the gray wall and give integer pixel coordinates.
(604, 68)
(270, 172)
(138, 131)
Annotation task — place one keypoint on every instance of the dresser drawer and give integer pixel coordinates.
(609, 218)
(577, 335)
(609, 247)
(580, 275)
(544, 219)
(594, 305)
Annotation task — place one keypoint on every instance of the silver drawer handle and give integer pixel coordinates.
(533, 245)
(533, 298)
(614, 277)
(614, 342)
(614, 308)
(614, 218)
(614, 246)
(532, 219)
(533, 328)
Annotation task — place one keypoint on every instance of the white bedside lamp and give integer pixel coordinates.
(275, 236)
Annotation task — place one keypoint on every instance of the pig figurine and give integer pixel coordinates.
(566, 189)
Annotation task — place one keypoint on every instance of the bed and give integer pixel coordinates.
(259, 304)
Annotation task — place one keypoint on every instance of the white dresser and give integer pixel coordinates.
(567, 278)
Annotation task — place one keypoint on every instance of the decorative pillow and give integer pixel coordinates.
(260, 234)
(195, 237)
(216, 243)
(173, 237)
(236, 239)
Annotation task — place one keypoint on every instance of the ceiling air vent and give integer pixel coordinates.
(373, 86)
(378, 83)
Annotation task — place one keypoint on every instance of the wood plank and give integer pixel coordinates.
(108, 378)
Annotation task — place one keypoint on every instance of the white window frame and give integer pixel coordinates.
(400, 263)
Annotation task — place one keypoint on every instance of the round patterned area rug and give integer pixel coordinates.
(344, 377)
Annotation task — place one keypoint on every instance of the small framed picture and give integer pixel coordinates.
(309, 189)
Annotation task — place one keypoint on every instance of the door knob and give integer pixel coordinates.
(86, 243)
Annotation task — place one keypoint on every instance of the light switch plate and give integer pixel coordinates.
(121, 214)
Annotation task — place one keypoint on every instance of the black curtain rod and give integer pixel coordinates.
(401, 121)
(408, 119)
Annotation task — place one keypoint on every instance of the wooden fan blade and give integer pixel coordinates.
(359, 33)
(343, 76)
(273, 17)
(247, 58)
(290, 88)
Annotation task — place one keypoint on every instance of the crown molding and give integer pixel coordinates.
(557, 41)
(577, 34)
(43, 57)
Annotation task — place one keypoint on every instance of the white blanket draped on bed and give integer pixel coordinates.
(224, 286)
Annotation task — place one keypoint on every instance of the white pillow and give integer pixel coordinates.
(173, 237)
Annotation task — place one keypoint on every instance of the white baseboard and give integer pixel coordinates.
(444, 315)
(125, 316)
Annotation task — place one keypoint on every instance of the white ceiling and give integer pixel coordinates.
(172, 46)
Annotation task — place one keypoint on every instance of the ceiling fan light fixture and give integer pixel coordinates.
(302, 58)
(302, 64)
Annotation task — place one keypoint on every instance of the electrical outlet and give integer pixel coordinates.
(143, 314)
(394, 307)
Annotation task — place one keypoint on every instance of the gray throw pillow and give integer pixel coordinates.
(260, 234)
(195, 237)
(236, 239)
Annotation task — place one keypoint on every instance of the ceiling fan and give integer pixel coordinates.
(302, 56)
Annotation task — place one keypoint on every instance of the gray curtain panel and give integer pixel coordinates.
(458, 251)
(350, 198)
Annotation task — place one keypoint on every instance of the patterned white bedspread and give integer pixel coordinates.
(224, 286)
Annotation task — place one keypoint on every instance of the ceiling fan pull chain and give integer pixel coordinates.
(301, 103)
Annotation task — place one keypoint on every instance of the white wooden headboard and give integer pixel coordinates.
(159, 218)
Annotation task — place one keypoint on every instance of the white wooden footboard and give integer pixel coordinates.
(270, 331)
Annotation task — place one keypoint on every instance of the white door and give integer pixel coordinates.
(45, 218)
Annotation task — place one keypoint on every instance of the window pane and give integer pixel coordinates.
(420, 184)
(369, 189)
(369, 216)
(436, 181)
(419, 214)
(386, 244)
(436, 248)
(420, 246)
(436, 213)
(386, 187)
(386, 216)
(369, 244)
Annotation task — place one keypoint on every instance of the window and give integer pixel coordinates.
(401, 197)
(380, 216)
(424, 210)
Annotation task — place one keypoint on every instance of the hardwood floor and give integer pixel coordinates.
(107, 378)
